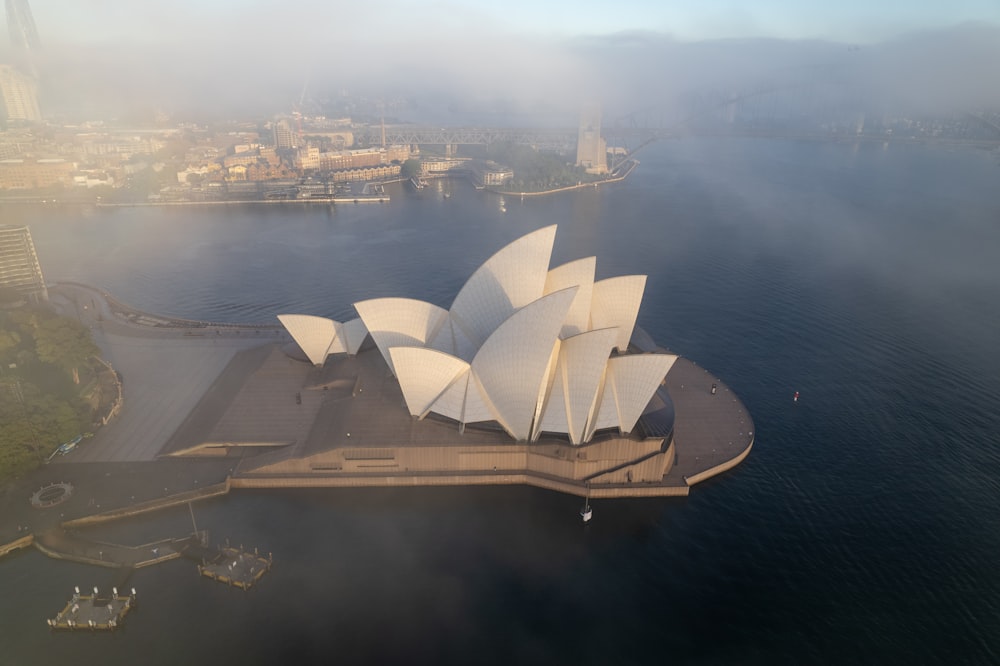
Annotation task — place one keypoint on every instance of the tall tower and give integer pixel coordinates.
(19, 84)
(284, 135)
(591, 149)
(18, 96)
(21, 26)
(19, 267)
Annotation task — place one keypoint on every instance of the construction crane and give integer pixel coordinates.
(297, 111)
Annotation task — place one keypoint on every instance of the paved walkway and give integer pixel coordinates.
(65, 545)
(165, 372)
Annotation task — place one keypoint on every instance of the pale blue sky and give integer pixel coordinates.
(843, 20)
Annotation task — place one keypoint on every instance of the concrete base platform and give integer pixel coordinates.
(195, 394)
(350, 428)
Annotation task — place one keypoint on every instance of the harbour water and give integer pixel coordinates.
(863, 527)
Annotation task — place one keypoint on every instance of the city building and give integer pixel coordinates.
(487, 173)
(591, 149)
(530, 349)
(380, 172)
(19, 267)
(439, 166)
(285, 135)
(21, 174)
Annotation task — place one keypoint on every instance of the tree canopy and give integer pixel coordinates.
(410, 168)
(535, 170)
(42, 359)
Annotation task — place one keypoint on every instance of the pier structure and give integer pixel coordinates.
(67, 544)
(94, 612)
(236, 567)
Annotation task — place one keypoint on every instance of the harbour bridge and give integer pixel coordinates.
(820, 109)
(766, 105)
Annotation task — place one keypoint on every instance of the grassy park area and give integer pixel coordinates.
(51, 384)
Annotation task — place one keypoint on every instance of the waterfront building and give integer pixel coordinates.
(237, 172)
(119, 144)
(240, 159)
(380, 172)
(19, 267)
(21, 174)
(307, 158)
(591, 149)
(439, 166)
(487, 173)
(530, 349)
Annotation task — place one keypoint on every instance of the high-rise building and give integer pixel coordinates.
(21, 26)
(19, 96)
(19, 267)
(591, 149)
(284, 135)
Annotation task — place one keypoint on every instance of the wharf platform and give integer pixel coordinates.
(62, 544)
(236, 567)
(94, 612)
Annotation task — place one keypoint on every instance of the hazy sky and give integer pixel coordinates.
(843, 20)
(229, 56)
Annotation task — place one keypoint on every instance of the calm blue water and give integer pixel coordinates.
(864, 527)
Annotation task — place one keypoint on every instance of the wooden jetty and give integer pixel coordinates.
(94, 612)
(236, 567)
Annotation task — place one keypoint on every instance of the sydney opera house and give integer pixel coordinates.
(530, 348)
(535, 375)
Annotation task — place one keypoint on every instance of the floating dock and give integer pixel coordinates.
(94, 612)
(236, 567)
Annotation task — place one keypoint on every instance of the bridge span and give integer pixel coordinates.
(459, 136)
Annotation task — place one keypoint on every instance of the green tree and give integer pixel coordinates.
(65, 343)
(40, 407)
(410, 168)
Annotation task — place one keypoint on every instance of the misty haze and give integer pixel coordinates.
(459, 332)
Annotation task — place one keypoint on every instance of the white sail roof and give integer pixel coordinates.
(616, 303)
(314, 335)
(579, 273)
(509, 280)
(527, 347)
(512, 362)
(574, 394)
(400, 322)
(353, 334)
(629, 384)
(424, 375)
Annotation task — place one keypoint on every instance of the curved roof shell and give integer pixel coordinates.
(616, 303)
(313, 334)
(580, 274)
(524, 346)
(579, 375)
(510, 370)
(400, 322)
(509, 280)
(318, 337)
(425, 375)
